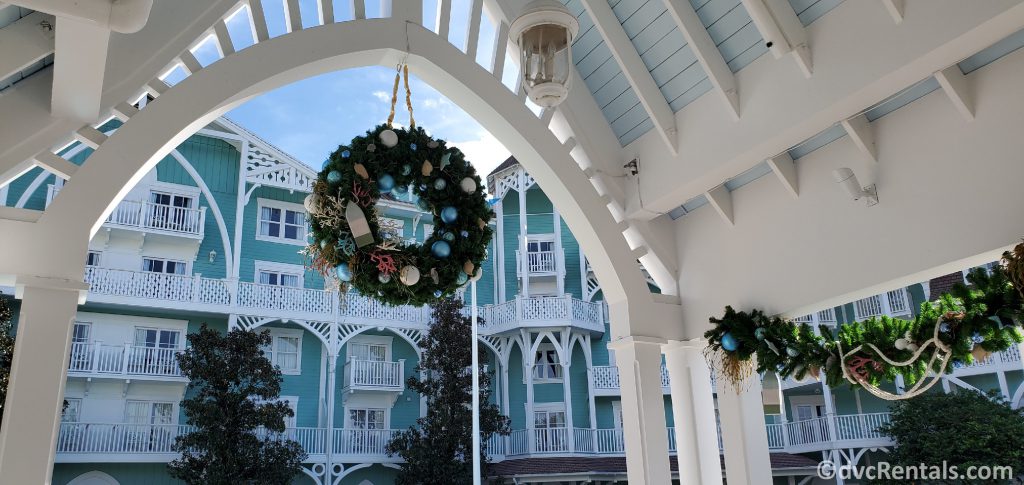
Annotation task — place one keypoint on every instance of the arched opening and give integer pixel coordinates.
(94, 478)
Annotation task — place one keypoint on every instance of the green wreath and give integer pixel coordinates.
(349, 242)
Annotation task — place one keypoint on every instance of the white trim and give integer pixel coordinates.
(176, 189)
(275, 333)
(549, 407)
(276, 267)
(280, 204)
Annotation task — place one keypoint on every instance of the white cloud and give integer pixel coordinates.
(485, 152)
(381, 95)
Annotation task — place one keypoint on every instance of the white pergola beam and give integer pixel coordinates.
(785, 169)
(56, 165)
(16, 171)
(224, 42)
(634, 70)
(781, 30)
(81, 52)
(721, 199)
(895, 9)
(19, 214)
(292, 16)
(859, 130)
(957, 87)
(25, 42)
(707, 53)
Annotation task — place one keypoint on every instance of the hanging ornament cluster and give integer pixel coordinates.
(352, 244)
(963, 326)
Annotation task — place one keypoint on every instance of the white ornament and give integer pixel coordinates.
(468, 185)
(389, 138)
(902, 344)
(311, 203)
(409, 275)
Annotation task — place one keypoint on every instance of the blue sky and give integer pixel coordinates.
(310, 118)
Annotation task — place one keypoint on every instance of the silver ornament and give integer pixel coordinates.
(468, 185)
(388, 138)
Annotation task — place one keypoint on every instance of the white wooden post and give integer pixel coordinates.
(643, 409)
(125, 357)
(197, 282)
(96, 355)
(694, 412)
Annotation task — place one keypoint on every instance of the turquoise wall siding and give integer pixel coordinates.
(254, 250)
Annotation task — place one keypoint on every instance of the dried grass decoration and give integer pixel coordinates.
(354, 247)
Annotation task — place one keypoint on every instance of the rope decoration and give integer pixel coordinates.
(963, 326)
(402, 68)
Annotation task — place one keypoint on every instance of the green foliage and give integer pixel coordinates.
(231, 392)
(6, 351)
(437, 450)
(972, 321)
(405, 164)
(963, 429)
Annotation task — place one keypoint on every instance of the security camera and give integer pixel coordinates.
(845, 177)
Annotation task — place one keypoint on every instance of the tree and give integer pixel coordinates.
(6, 351)
(438, 449)
(964, 429)
(232, 403)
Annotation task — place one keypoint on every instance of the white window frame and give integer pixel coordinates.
(175, 411)
(371, 340)
(348, 415)
(96, 256)
(283, 206)
(73, 402)
(179, 340)
(273, 267)
(277, 333)
(549, 407)
(188, 265)
(546, 347)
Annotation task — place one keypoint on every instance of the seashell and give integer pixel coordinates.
(427, 168)
(361, 170)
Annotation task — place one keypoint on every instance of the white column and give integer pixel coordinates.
(744, 438)
(693, 406)
(528, 370)
(559, 255)
(567, 398)
(499, 251)
(782, 413)
(332, 385)
(35, 394)
(643, 409)
(524, 266)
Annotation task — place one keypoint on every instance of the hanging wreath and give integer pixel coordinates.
(963, 326)
(353, 246)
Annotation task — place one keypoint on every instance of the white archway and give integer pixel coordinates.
(94, 478)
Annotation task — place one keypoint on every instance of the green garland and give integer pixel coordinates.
(388, 268)
(973, 321)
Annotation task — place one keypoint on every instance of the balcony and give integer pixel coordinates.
(1007, 360)
(374, 375)
(605, 380)
(149, 217)
(196, 293)
(99, 360)
(829, 432)
(540, 263)
(563, 441)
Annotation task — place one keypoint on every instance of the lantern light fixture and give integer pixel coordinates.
(544, 32)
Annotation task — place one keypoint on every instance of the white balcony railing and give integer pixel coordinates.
(362, 441)
(540, 262)
(149, 216)
(373, 374)
(606, 377)
(116, 438)
(182, 292)
(560, 441)
(895, 302)
(828, 431)
(97, 358)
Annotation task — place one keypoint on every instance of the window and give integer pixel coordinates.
(549, 430)
(279, 274)
(158, 338)
(170, 211)
(149, 412)
(546, 365)
(80, 333)
(93, 258)
(278, 278)
(285, 350)
(154, 265)
(540, 252)
(366, 419)
(281, 222)
(72, 411)
(374, 352)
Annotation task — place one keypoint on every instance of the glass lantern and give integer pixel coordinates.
(544, 34)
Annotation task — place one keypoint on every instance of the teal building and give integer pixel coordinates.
(213, 236)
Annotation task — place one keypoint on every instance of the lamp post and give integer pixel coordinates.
(544, 32)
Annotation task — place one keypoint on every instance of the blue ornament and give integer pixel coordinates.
(493, 201)
(345, 154)
(448, 236)
(440, 184)
(464, 233)
(326, 164)
(977, 338)
(437, 293)
(386, 182)
(441, 249)
(344, 272)
(334, 176)
(412, 146)
(944, 327)
(384, 278)
(792, 352)
(406, 169)
(400, 190)
(423, 187)
(449, 214)
(423, 204)
(462, 278)
(729, 342)
(759, 333)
